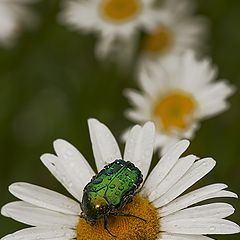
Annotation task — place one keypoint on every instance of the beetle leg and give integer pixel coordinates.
(106, 226)
(127, 215)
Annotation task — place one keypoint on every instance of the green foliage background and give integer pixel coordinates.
(50, 84)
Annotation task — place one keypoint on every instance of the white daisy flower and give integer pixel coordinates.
(176, 29)
(176, 94)
(116, 21)
(14, 15)
(160, 212)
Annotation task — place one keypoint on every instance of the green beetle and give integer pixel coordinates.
(110, 190)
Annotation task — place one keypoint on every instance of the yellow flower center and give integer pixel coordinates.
(158, 42)
(125, 227)
(175, 110)
(119, 11)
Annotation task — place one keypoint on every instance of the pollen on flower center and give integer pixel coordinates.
(118, 11)
(125, 227)
(159, 41)
(175, 110)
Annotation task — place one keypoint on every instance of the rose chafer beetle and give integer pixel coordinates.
(109, 191)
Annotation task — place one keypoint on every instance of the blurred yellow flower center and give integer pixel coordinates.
(118, 11)
(125, 227)
(158, 41)
(175, 110)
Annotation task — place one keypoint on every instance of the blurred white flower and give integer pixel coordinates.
(14, 16)
(116, 21)
(176, 94)
(170, 27)
(176, 29)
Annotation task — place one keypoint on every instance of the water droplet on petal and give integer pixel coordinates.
(212, 228)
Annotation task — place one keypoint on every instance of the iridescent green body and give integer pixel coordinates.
(110, 190)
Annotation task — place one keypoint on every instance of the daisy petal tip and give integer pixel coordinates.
(58, 142)
(150, 125)
(12, 187)
(17, 187)
(183, 144)
(134, 128)
(211, 161)
(4, 211)
(192, 156)
(46, 157)
(94, 124)
(238, 229)
(235, 228)
(60, 146)
(235, 195)
(92, 121)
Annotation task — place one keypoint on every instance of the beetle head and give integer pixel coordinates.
(95, 208)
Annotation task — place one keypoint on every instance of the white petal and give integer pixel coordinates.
(42, 233)
(202, 71)
(212, 109)
(139, 147)
(200, 226)
(56, 167)
(165, 165)
(215, 91)
(166, 143)
(105, 147)
(146, 82)
(44, 198)
(74, 161)
(35, 216)
(199, 195)
(213, 210)
(153, 79)
(171, 236)
(195, 173)
(137, 99)
(176, 173)
(137, 115)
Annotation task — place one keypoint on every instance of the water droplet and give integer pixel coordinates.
(109, 173)
(97, 181)
(212, 228)
(112, 186)
(69, 152)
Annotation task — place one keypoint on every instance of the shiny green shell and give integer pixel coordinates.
(111, 189)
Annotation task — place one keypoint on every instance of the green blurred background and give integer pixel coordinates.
(50, 84)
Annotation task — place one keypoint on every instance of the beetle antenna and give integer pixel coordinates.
(106, 227)
(127, 215)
